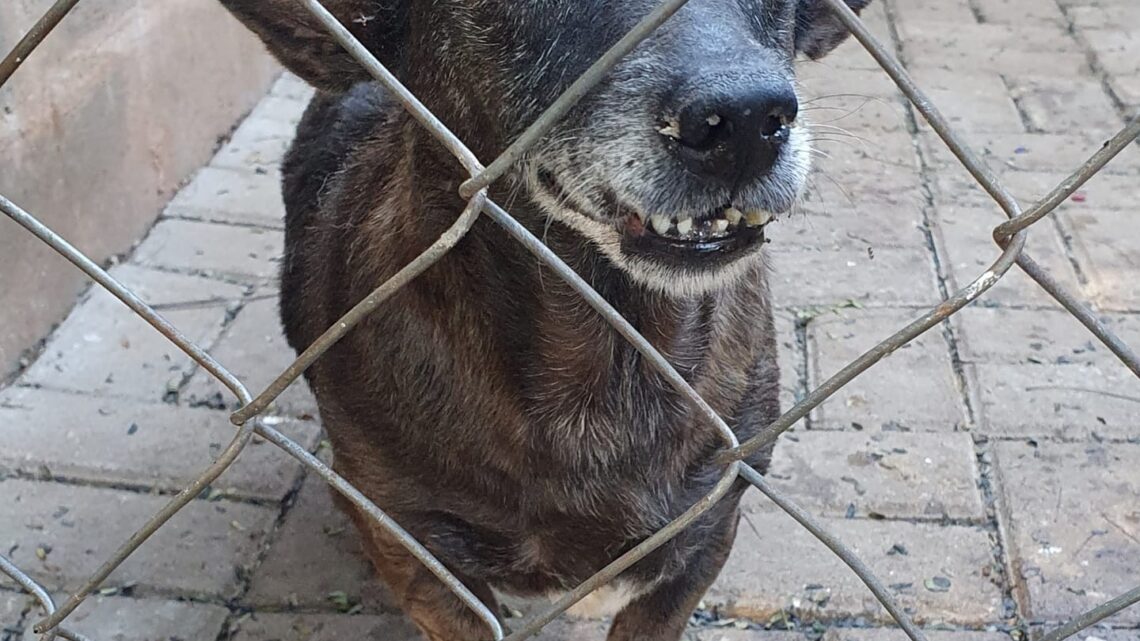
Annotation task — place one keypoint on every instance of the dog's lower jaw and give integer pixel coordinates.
(670, 281)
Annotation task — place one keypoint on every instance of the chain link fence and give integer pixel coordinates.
(1010, 237)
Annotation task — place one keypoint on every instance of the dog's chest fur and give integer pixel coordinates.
(486, 407)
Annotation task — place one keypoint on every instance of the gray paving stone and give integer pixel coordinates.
(953, 13)
(122, 619)
(258, 146)
(12, 608)
(872, 400)
(141, 445)
(1019, 14)
(866, 194)
(864, 101)
(1095, 633)
(245, 254)
(1111, 191)
(727, 633)
(105, 348)
(880, 634)
(1040, 152)
(972, 102)
(803, 278)
(1012, 50)
(1115, 49)
(290, 86)
(1039, 337)
(1103, 16)
(965, 237)
(890, 474)
(328, 627)
(253, 348)
(282, 108)
(261, 626)
(200, 552)
(1062, 103)
(1127, 89)
(316, 552)
(776, 565)
(222, 193)
(1072, 517)
(790, 360)
(1073, 401)
(1109, 253)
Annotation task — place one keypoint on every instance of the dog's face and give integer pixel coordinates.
(676, 161)
(671, 166)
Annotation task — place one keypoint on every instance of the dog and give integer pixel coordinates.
(485, 406)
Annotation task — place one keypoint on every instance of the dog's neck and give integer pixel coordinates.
(520, 293)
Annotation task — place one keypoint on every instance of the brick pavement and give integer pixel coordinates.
(989, 472)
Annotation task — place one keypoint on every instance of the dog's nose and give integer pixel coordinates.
(734, 136)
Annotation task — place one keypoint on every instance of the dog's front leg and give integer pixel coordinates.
(663, 613)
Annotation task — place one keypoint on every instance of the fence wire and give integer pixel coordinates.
(1010, 237)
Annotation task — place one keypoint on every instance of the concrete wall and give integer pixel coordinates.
(118, 106)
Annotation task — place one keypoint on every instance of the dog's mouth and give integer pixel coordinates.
(714, 237)
(720, 231)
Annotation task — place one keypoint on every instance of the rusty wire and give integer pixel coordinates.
(1010, 236)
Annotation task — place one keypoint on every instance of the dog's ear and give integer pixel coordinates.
(818, 29)
(297, 39)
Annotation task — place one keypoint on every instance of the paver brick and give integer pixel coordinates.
(141, 445)
(1127, 89)
(1072, 517)
(972, 102)
(290, 86)
(1103, 15)
(1020, 14)
(327, 627)
(789, 358)
(1073, 401)
(952, 13)
(776, 565)
(123, 619)
(281, 108)
(965, 236)
(245, 254)
(258, 146)
(1109, 253)
(1039, 337)
(200, 552)
(855, 634)
(1061, 103)
(1011, 50)
(243, 195)
(1095, 633)
(1041, 152)
(872, 401)
(12, 608)
(253, 348)
(1115, 49)
(863, 100)
(105, 348)
(883, 474)
(1111, 191)
(803, 278)
(262, 626)
(316, 552)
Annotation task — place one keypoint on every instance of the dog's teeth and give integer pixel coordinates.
(660, 223)
(684, 226)
(719, 226)
(757, 218)
(733, 215)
